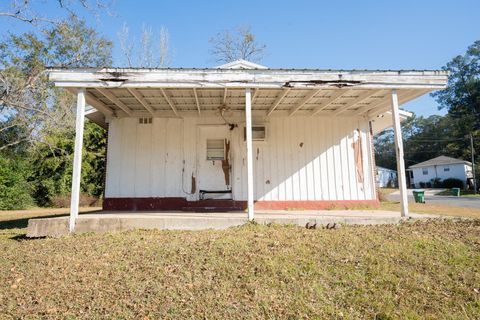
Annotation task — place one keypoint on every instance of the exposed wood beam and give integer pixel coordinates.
(277, 101)
(141, 99)
(405, 98)
(174, 109)
(237, 113)
(99, 105)
(115, 100)
(373, 105)
(302, 102)
(361, 97)
(385, 105)
(94, 102)
(337, 94)
(196, 100)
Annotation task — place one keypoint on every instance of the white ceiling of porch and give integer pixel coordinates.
(177, 102)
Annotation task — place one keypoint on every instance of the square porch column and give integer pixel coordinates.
(248, 129)
(399, 153)
(77, 159)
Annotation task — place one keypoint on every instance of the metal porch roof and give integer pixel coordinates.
(287, 92)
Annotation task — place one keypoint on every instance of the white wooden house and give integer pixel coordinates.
(386, 178)
(241, 134)
(424, 174)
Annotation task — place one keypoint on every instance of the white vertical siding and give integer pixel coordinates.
(128, 157)
(143, 160)
(304, 158)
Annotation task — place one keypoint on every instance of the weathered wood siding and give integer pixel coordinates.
(303, 158)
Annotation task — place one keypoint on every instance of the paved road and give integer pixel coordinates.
(465, 202)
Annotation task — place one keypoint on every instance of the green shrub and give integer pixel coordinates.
(452, 183)
(14, 187)
(52, 166)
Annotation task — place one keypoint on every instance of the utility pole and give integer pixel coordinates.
(473, 165)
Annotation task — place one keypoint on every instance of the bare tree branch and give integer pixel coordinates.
(241, 43)
(151, 51)
(24, 11)
(126, 46)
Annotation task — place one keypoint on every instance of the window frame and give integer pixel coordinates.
(215, 157)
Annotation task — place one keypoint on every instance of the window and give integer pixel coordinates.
(215, 149)
(259, 133)
(425, 172)
(446, 169)
(145, 120)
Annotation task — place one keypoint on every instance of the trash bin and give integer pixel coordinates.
(456, 192)
(419, 196)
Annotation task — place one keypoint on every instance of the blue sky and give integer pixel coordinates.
(405, 34)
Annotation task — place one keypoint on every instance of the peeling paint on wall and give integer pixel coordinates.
(357, 152)
(226, 163)
(194, 184)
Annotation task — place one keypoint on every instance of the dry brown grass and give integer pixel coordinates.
(412, 270)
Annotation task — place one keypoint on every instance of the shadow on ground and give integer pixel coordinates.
(22, 222)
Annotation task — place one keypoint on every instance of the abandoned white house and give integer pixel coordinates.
(241, 134)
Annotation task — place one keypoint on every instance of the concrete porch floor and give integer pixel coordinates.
(121, 221)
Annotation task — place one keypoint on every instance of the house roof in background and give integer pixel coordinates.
(441, 160)
(385, 169)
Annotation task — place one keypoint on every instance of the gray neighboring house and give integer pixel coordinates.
(442, 168)
(386, 178)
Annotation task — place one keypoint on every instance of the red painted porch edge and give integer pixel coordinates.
(181, 204)
(315, 205)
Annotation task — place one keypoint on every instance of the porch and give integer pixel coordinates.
(268, 137)
(108, 221)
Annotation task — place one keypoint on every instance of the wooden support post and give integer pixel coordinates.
(399, 152)
(77, 159)
(248, 129)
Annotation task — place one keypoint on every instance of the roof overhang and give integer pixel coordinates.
(384, 121)
(194, 92)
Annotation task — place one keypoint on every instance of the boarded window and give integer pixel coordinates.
(215, 149)
(425, 172)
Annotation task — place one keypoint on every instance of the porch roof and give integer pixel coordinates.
(178, 92)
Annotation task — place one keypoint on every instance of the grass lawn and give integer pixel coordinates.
(443, 210)
(413, 270)
(463, 193)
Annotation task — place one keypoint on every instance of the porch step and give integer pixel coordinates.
(214, 205)
(211, 209)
